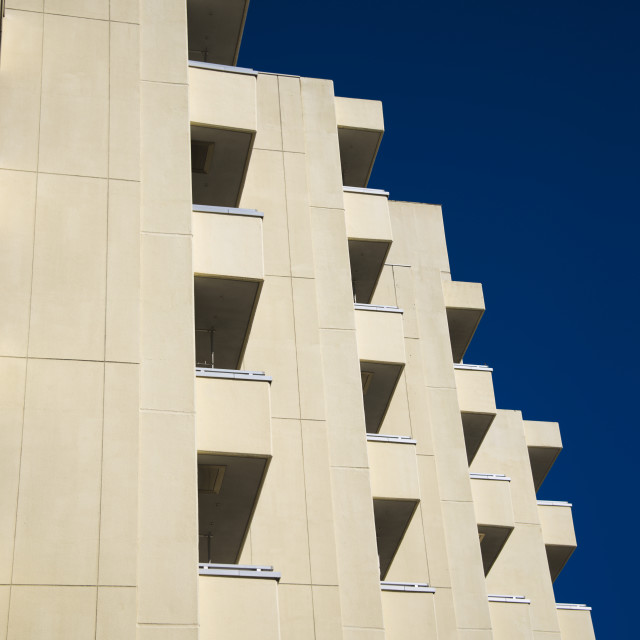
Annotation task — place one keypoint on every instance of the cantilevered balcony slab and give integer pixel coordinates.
(370, 238)
(233, 436)
(215, 29)
(360, 130)
(238, 607)
(558, 533)
(465, 305)
(575, 622)
(223, 114)
(494, 514)
(380, 337)
(544, 445)
(477, 404)
(396, 492)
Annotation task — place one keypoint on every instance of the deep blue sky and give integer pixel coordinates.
(522, 120)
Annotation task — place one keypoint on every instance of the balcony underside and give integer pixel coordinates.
(492, 539)
(557, 556)
(228, 490)
(542, 459)
(462, 326)
(367, 258)
(379, 380)
(224, 309)
(219, 161)
(358, 150)
(215, 29)
(475, 427)
(392, 518)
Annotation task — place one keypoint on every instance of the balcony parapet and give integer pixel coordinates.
(204, 208)
(494, 514)
(360, 130)
(465, 306)
(359, 306)
(196, 64)
(263, 572)
(558, 533)
(232, 374)
(544, 445)
(575, 621)
(477, 403)
(378, 437)
(373, 192)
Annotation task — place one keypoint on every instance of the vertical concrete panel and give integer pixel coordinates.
(385, 293)
(165, 156)
(328, 617)
(59, 500)
(119, 504)
(4, 610)
(98, 9)
(296, 612)
(124, 101)
(69, 268)
(168, 549)
(291, 114)
(63, 613)
(125, 11)
(331, 258)
(409, 616)
(264, 189)
(116, 615)
(357, 551)
(74, 122)
(269, 134)
(405, 299)
(510, 620)
(283, 500)
(445, 614)
(321, 144)
(465, 564)
(17, 203)
(167, 323)
(12, 381)
(123, 273)
(345, 411)
(396, 420)
(163, 50)
(322, 544)
(421, 429)
(169, 632)
(272, 346)
(298, 216)
(20, 83)
(410, 562)
(308, 349)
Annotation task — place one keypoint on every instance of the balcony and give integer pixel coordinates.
(233, 437)
(238, 601)
(477, 404)
(395, 489)
(508, 614)
(465, 305)
(544, 445)
(575, 622)
(229, 272)
(558, 533)
(370, 238)
(223, 114)
(380, 337)
(360, 130)
(215, 29)
(408, 609)
(494, 514)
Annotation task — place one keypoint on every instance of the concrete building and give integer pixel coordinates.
(172, 227)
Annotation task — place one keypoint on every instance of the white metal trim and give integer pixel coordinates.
(373, 192)
(507, 598)
(472, 367)
(572, 607)
(379, 437)
(238, 571)
(554, 503)
(490, 476)
(222, 67)
(415, 587)
(232, 374)
(205, 208)
(360, 306)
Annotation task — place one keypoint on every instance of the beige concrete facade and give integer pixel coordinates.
(233, 402)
